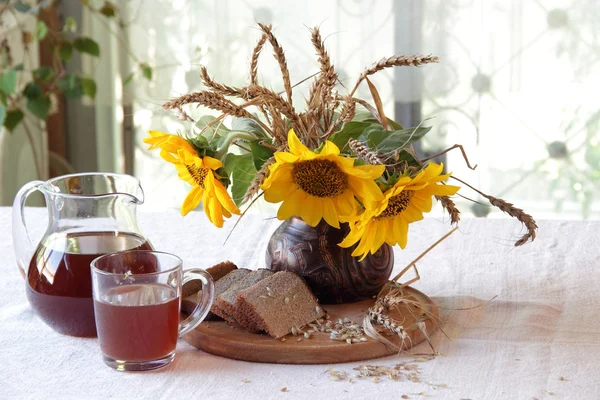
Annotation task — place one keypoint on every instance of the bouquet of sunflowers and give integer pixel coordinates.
(341, 160)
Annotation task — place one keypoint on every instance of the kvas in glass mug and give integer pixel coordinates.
(137, 301)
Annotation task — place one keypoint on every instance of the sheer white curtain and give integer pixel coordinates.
(515, 84)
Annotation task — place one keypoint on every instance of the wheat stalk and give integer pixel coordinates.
(278, 125)
(348, 110)
(449, 205)
(261, 175)
(364, 153)
(328, 76)
(520, 215)
(276, 101)
(182, 115)
(212, 100)
(395, 61)
(254, 59)
(511, 210)
(280, 57)
(219, 87)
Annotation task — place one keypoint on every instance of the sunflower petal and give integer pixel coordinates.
(192, 200)
(312, 210)
(330, 149)
(291, 206)
(329, 213)
(295, 145)
(211, 163)
(366, 171)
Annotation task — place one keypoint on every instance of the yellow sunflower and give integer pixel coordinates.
(319, 186)
(386, 221)
(198, 172)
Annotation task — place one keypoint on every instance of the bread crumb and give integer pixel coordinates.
(245, 380)
(284, 389)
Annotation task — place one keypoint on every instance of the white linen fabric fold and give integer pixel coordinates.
(539, 338)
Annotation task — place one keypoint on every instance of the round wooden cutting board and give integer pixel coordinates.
(232, 341)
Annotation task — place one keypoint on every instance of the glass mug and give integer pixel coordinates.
(137, 301)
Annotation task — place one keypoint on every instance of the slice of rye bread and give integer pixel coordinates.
(225, 283)
(189, 297)
(216, 272)
(279, 303)
(226, 301)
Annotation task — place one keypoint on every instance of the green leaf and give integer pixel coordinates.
(65, 51)
(350, 130)
(242, 171)
(200, 142)
(365, 116)
(408, 157)
(2, 114)
(89, 87)
(248, 125)
(260, 153)
(70, 25)
(39, 106)
(21, 7)
(108, 9)
(146, 71)
(385, 141)
(8, 81)
(41, 30)
(43, 73)
(71, 86)
(128, 79)
(87, 45)
(3, 99)
(215, 133)
(32, 90)
(12, 119)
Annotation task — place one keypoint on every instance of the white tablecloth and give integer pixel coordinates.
(540, 338)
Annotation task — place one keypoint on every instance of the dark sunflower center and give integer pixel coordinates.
(397, 204)
(321, 178)
(198, 174)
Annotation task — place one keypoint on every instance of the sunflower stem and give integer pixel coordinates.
(229, 140)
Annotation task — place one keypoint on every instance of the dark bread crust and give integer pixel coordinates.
(216, 272)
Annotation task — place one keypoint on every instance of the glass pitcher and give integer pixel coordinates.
(89, 215)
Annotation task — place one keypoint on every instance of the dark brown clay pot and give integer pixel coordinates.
(331, 272)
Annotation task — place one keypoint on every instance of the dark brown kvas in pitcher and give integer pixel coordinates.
(89, 215)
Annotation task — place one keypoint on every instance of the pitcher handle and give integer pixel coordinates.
(24, 247)
(205, 299)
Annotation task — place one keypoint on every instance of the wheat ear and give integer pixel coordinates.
(449, 206)
(261, 175)
(511, 210)
(280, 57)
(219, 87)
(254, 59)
(395, 61)
(364, 153)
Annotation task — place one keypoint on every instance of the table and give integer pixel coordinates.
(539, 338)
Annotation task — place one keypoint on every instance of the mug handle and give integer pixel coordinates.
(205, 299)
(24, 247)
